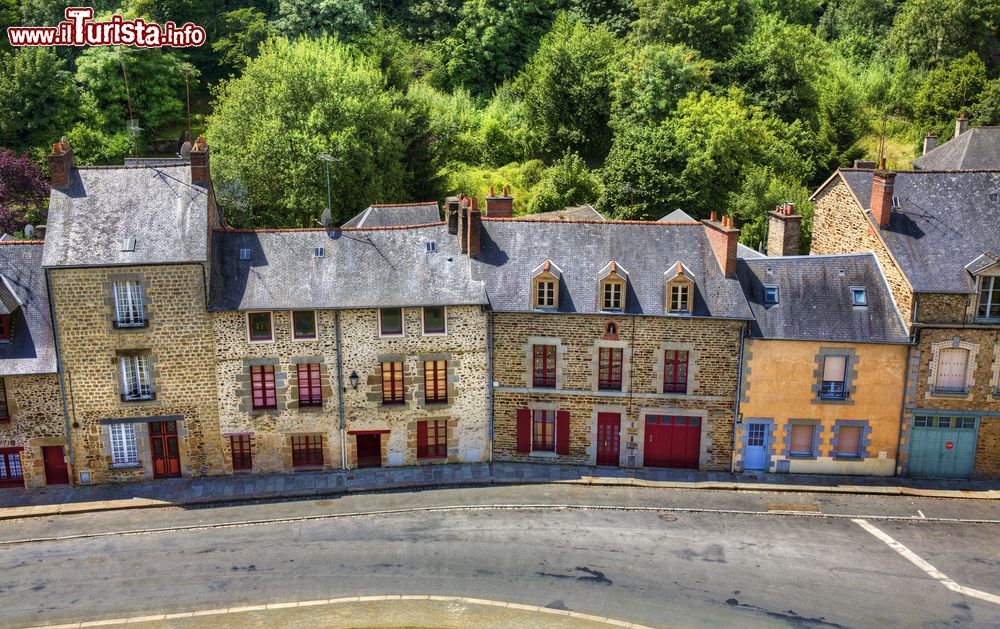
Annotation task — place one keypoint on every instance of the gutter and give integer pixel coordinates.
(340, 394)
(60, 371)
(739, 393)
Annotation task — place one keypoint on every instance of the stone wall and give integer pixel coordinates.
(180, 341)
(36, 420)
(713, 363)
(945, 308)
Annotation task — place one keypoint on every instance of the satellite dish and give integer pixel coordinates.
(327, 218)
(29, 231)
(133, 126)
(186, 150)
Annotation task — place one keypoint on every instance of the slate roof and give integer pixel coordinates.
(364, 268)
(396, 215)
(575, 213)
(159, 207)
(32, 348)
(945, 221)
(814, 299)
(511, 249)
(678, 216)
(976, 149)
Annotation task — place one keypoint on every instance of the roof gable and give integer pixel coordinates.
(978, 148)
(396, 215)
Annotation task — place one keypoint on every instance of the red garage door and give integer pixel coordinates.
(672, 441)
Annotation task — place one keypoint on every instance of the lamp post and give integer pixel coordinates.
(326, 157)
(354, 380)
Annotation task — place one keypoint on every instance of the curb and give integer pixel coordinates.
(38, 511)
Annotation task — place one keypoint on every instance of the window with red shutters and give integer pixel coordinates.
(543, 433)
(435, 381)
(307, 451)
(4, 409)
(609, 377)
(242, 455)
(392, 383)
(432, 439)
(524, 430)
(310, 390)
(262, 383)
(675, 371)
(544, 366)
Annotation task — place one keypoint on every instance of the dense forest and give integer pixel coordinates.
(638, 107)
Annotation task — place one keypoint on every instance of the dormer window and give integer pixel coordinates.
(859, 296)
(770, 295)
(612, 295)
(680, 298)
(545, 285)
(679, 289)
(989, 297)
(611, 292)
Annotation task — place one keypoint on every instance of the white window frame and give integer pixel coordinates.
(964, 388)
(676, 304)
(250, 338)
(777, 294)
(612, 289)
(291, 326)
(994, 280)
(546, 289)
(423, 329)
(123, 445)
(136, 376)
(402, 324)
(129, 308)
(864, 296)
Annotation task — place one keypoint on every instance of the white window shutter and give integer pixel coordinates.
(951, 369)
(128, 376)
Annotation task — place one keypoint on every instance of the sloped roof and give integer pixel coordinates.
(31, 349)
(397, 215)
(362, 268)
(511, 249)
(743, 251)
(158, 206)
(10, 302)
(575, 213)
(944, 221)
(814, 299)
(678, 216)
(976, 149)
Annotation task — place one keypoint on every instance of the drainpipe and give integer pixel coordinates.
(340, 393)
(739, 390)
(59, 370)
(902, 411)
(489, 366)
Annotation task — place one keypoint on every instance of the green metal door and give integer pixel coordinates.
(943, 446)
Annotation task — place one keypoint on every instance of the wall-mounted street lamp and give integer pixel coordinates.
(354, 380)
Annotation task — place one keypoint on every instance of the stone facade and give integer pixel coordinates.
(713, 346)
(180, 343)
(36, 420)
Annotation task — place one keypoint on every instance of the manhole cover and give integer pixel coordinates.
(793, 506)
(666, 517)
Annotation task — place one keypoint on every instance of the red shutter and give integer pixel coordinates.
(523, 430)
(562, 432)
(421, 440)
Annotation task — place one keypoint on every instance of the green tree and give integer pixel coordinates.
(946, 92)
(38, 99)
(986, 111)
(860, 27)
(245, 30)
(568, 182)
(712, 27)
(928, 32)
(566, 89)
(655, 79)
(345, 19)
(615, 15)
(293, 102)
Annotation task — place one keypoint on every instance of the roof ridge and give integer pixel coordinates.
(810, 256)
(22, 242)
(926, 172)
(402, 204)
(518, 219)
(135, 166)
(325, 229)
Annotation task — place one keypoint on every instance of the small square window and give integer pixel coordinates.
(244, 254)
(391, 321)
(434, 320)
(260, 326)
(859, 296)
(770, 294)
(612, 296)
(304, 325)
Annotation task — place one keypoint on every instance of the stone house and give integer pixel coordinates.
(936, 236)
(351, 347)
(127, 256)
(614, 342)
(823, 366)
(32, 425)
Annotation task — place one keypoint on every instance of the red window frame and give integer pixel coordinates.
(543, 431)
(543, 366)
(435, 381)
(609, 374)
(444, 320)
(11, 471)
(5, 327)
(310, 387)
(390, 331)
(307, 451)
(4, 407)
(242, 451)
(262, 385)
(296, 332)
(432, 439)
(270, 326)
(392, 382)
(675, 371)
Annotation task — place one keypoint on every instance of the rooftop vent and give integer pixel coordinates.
(128, 244)
(431, 247)
(995, 197)
(319, 252)
(895, 202)
(244, 254)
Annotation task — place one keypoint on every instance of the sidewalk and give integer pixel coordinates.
(23, 503)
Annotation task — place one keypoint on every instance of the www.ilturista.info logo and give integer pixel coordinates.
(79, 29)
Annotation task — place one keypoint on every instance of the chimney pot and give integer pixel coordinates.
(883, 182)
(723, 239)
(492, 193)
(506, 191)
(714, 217)
(499, 207)
(784, 231)
(961, 124)
(60, 165)
(200, 173)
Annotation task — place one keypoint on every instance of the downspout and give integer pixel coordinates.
(902, 411)
(739, 392)
(59, 370)
(340, 393)
(489, 367)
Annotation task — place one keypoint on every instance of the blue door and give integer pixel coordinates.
(944, 447)
(756, 453)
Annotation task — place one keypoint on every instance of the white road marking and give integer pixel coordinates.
(922, 516)
(919, 562)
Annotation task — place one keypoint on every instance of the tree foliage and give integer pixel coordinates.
(654, 80)
(23, 192)
(713, 27)
(38, 99)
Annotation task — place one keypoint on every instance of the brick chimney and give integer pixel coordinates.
(60, 165)
(784, 231)
(961, 124)
(723, 237)
(883, 182)
(475, 227)
(200, 173)
(463, 220)
(452, 205)
(930, 141)
(500, 207)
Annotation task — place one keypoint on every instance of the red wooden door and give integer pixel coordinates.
(672, 441)
(56, 470)
(163, 445)
(608, 438)
(369, 450)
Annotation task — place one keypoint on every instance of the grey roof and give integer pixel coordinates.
(397, 215)
(511, 249)
(976, 149)
(365, 268)
(678, 216)
(814, 299)
(575, 213)
(981, 263)
(943, 222)
(9, 299)
(31, 349)
(743, 251)
(159, 207)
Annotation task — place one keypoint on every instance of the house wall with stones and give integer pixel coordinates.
(713, 347)
(181, 344)
(780, 387)
(36, 420)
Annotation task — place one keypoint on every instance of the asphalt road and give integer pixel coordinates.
(738, 564)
